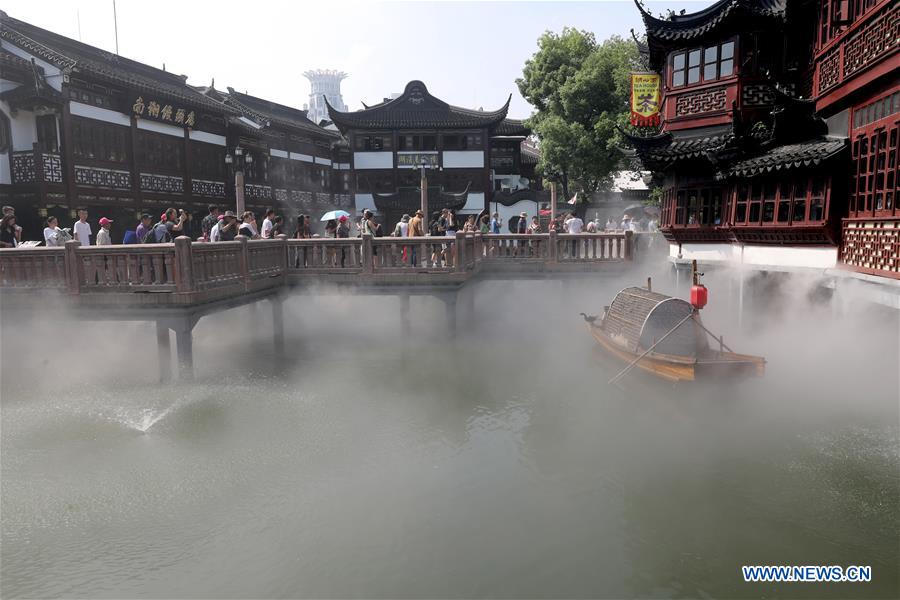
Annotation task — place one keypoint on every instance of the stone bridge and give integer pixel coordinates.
(176, 284)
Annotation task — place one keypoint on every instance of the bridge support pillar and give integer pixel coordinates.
(164, 352)
(184, 340)
(450, 307)
(405, 323)
(278, 325)
(465, 307)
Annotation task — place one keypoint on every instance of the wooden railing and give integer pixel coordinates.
(33, 268)
(196, 272)
(112, 268)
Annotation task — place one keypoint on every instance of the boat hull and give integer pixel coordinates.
(716, 366)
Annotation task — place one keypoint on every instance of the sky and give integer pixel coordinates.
(467, 53)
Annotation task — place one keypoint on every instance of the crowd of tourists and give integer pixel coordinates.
(223, 226)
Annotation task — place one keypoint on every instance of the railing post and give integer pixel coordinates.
(553, 254)
(244, 261)
(459, 252)
(74, 267)
(284, 252)
(629, 245)
(367, 266)
(184, 265)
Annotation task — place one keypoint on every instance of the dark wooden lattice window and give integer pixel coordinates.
(800, 193)
(874, 151)
(48, 140)
(817, 198)
(678, 69)
(769, 194)
(784, 201)
(709, 64)
(755, 201)
(740, 207)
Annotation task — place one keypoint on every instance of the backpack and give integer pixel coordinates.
(157, 234)
(378, 231)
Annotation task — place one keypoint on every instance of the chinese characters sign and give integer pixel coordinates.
(645, 99)
(416, 160)
(163, 112)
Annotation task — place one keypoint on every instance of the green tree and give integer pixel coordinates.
(580, 89)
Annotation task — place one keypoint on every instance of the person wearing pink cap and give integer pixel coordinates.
(103, 237)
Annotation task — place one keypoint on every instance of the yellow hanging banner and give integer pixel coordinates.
(645, 99)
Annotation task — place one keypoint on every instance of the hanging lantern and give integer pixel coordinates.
(699, 295)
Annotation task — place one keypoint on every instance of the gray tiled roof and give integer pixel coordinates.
(416, 108)
(805, 154)
(72, 56)
(694, 25)
(511, 127)
(279, 114)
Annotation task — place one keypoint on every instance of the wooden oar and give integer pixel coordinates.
(647, 351)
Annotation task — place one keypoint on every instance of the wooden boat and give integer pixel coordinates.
(663, 336)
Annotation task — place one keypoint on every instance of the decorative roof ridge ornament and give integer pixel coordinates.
(795, 119)
(661, 138)
(742, 141)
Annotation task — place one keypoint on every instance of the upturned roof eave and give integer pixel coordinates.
(380, 114)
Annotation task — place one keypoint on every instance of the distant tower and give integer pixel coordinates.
(324, 83)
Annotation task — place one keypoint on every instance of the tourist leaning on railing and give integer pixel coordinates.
(53, 235)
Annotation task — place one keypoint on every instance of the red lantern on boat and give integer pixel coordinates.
(699, 295)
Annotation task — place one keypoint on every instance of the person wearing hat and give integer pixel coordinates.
(343, 227)
(416, 226)
(228, 227)
(143, 227)
(401, 229)
(103, 237)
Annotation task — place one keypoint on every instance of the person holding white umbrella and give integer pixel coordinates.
(334, 215)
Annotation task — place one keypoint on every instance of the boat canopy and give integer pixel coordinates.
(638, 318)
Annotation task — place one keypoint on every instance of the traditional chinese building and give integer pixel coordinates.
(296, 166)
(770, 112)
(467, 154)
(84, 128)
